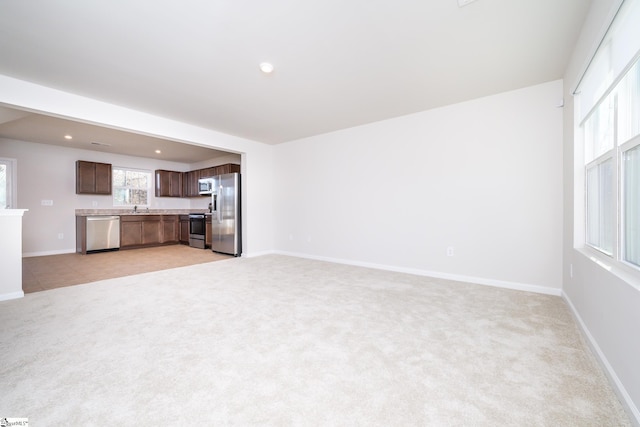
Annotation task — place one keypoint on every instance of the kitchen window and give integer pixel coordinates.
(131, 187)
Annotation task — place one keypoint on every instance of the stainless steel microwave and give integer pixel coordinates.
(205, 185)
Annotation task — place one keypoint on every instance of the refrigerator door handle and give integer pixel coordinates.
(220, 204)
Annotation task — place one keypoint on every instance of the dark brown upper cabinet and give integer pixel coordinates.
(93, 178)
(168, 183)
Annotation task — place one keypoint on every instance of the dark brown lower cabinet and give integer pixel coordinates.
(81, 235)
(207, 231)
(170, 229)
(130, 232)
(148, 230)
(184, 229)
(151, 230)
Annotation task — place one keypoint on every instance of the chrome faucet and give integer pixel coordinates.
(135, 209)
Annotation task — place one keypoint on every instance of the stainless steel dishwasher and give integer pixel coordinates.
(103, 232)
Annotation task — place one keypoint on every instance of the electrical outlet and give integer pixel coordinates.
(450, 251)
(94, 204)
(60, 236)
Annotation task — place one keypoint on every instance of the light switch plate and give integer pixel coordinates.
(46, 202)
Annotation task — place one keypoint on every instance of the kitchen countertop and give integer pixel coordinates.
(92, 212)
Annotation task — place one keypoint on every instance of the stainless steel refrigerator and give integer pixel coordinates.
(226, 223)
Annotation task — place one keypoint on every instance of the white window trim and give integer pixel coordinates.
(628, 145)
(609, 155)
(12, 169)
(623, 271)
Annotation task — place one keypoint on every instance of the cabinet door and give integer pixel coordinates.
(130, 233)
(175, 189)
(170, 232)
(163, 183)
(228, 168)
(85, 177)
(93, 178)
(168, 183)
(184, 230)
(187, 185)
(208, 172)
(81, 235)
(208, 232)
(103, 178)
(192, 183)
(151, 231)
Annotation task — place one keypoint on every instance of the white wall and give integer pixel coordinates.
(480, 176)
(257, 158)
(607, 306)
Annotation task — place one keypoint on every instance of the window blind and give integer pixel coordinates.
(616, 53)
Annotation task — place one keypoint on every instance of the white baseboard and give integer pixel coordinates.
(618, 387)
(418, 272)
(11, 295)
(45, 253)
(257, 254)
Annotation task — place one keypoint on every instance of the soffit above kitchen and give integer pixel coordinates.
(336, 64)
(43, 129)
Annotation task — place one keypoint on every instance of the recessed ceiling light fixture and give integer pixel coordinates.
(158, 152)
(266, 67)
(464, 2)
(68, 137)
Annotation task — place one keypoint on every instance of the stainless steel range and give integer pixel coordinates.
(197, 230)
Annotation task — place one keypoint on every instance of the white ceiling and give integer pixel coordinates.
(338, 64)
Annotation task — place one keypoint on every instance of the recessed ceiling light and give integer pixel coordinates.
(464, 2)
(68, 137)
(158, 152)
(266, 67)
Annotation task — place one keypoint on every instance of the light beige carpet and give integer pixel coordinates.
(277, 340)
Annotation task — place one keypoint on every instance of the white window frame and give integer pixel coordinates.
(11, 182)
(628, 145)
(148, 189)
(596, 163)
(615, 260)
